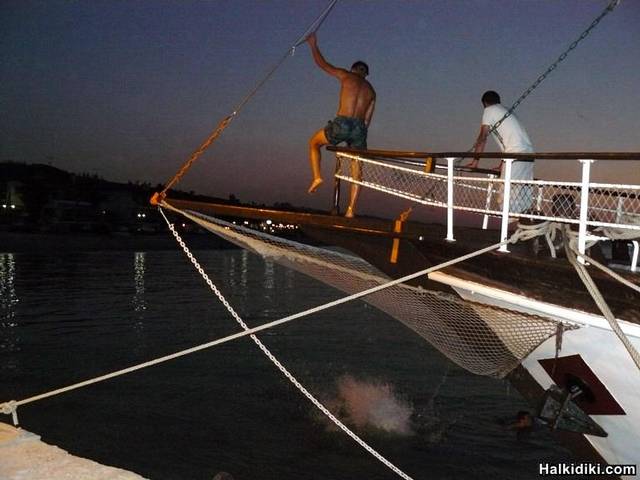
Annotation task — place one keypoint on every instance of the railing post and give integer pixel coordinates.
(336, 188)
(584, 208)
(506, 200)
(634, 257)
(450, 161)
(619, 210)
(485, 219)
(539, 200)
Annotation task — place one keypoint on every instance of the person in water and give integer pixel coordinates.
(357, 102)
(512, 138)
(525, 423)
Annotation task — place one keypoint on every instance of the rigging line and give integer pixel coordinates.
(514, 238)
(316, 25)
(608, 9)
(157, 197)
(277, 362)
(573, 254)
(611, 273)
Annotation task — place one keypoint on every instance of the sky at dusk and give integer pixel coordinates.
(128, 89)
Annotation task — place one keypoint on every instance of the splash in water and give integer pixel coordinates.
(367, 404)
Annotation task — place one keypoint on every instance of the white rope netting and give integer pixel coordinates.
(483, 339)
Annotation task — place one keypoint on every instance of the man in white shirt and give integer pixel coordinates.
(512, 138)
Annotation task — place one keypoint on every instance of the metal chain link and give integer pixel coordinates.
(275, 361)
(612, 5)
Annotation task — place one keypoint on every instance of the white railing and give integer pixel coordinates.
(595, 208)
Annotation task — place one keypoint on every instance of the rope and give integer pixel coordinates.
(608, 9)
(559, 336)
(275, 361)
(610, 272)
(227, 120)
(281, 367)
(548, 229)
(10, 407)
(315, 26)
(593, 290)
(253, 330)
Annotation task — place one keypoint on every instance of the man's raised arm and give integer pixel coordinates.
(319, 59)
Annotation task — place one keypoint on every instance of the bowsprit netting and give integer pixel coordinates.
(483, 339)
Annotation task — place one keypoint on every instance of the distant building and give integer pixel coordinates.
(71, 216)
(128, 209)
(10, 193)
(12, 208)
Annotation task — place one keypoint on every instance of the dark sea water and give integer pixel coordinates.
(66, 317)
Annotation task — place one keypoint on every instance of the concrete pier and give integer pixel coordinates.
(23, 456)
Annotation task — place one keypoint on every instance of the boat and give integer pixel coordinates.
(575, 371)
(545, 302)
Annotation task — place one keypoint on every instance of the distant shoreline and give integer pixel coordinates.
(52, 243)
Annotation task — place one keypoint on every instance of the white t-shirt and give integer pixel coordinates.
(511, 136)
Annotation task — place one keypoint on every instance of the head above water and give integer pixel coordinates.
(490, 98)
(360, 68)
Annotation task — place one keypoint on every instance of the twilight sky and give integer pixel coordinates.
(128, 89)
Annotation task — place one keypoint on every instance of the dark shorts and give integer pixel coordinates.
(351, 130)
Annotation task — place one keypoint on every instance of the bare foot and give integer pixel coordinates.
(349, 213)
(314, 185)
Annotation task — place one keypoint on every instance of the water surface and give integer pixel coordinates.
(71, 316)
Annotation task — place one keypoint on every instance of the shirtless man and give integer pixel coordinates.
(357, 101)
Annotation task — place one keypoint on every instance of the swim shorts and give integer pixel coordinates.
(351, 130)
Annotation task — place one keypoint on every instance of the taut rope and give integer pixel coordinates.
(11, 407)
(548, 229)
(224, 123)
(592, 288)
